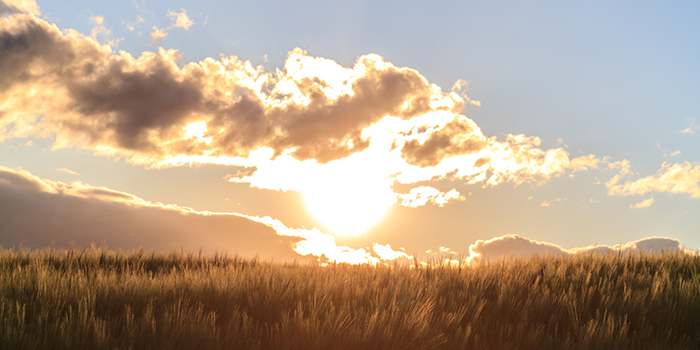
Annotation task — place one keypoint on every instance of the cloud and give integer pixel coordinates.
(646, 203)
(19, 6)
(691, 129)
(312, 118)
(424, 195)
(519, 247)
(320, 245)
(509, 247)
(180, 19)
(68, 171)
(40, 213)
(133, 25)
(100, 32)
(679, 178)
(386, 253)
(158, 34)
(548, 202)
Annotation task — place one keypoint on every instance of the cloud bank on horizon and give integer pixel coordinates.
(518, 247)
(40, 213)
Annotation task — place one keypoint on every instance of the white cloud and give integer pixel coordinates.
(424, 195)
(679, 178)
(132, 26)
(549, 202)
(646, 203)
(509, 247)
(158, 34)
(68, 171)
(101, 33)
(519, 247)
(386, 253)
(180, 19)
(691, 129)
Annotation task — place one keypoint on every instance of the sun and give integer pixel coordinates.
(349, 208)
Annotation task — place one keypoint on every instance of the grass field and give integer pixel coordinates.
(96, 300)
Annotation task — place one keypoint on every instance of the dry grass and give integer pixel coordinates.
(95, 300)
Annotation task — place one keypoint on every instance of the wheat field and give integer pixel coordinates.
(94, 299)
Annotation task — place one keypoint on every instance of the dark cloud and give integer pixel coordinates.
(39, 213)
(458, 137)
(141, 105)
(63, 85)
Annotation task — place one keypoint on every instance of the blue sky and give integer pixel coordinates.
(615, 79)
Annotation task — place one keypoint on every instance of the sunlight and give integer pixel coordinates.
(349, 207)
(196, 130)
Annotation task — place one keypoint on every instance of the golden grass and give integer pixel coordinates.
(96, 299)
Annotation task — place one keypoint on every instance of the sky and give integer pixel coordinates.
(352, 126)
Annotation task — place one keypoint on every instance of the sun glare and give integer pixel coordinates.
(196, 130)
(350, 208)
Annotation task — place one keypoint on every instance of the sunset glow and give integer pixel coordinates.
(347, 144)
(349, 207)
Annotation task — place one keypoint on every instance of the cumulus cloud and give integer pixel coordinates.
(511, 246)
(519, 247)
(424, 195)
(679, 178)
(311, 118)
(19, 6)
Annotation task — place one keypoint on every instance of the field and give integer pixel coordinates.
(96, 299)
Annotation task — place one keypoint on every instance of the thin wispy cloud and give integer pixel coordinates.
(691, 129)
(178, 20)
(646, 203)
(549, 202)
(68, 171)
(424, 195)
(101, 33)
